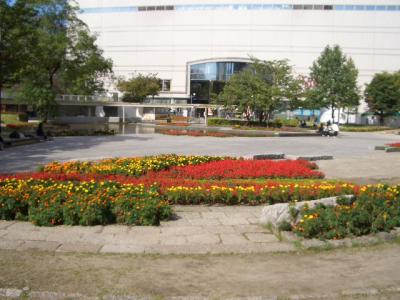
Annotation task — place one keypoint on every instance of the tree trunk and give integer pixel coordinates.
(261, 117)
(348, 113)
(338, 115)
(333, 113)
(381, 118)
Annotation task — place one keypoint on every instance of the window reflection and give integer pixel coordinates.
(209, 79)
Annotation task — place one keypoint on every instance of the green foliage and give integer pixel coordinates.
(49, 203)
(383, 94)
(375, 210)
(139, 87)
(363, 128)
(335, 78)
(262, 88)
(277, 123)
(56, 55)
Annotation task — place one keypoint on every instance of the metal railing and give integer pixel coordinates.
(86, 99)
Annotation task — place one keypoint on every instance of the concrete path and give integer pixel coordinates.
(352, 146)
(196, 230)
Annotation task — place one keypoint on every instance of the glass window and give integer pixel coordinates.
(166, 85)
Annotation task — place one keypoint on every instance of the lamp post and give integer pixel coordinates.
(191, 97)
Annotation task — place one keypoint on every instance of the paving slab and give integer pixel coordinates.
(204, 221)
(261, 237)
(39, 245)
(234, 221)
(79, 247)
(6, 224)
(233, 239)
(173, 240)
(208, 230)
(248, 228)
(10, 244)
(204, 239)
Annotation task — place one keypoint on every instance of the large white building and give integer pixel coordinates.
(195, 45)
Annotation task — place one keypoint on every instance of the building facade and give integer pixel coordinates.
(196, 45)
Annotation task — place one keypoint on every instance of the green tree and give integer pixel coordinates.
(139, 87)
(335, 78)
(64, 60)
(262, 88)
(383, 94)
(17, 23)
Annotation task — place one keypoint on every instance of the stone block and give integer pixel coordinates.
(269, 156)
(315, 157)
(380, 147)
(277, 213)
(393, 149)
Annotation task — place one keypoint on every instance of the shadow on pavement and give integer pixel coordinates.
(28, 157)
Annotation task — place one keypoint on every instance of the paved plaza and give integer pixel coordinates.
(354, 153)
(195, 229)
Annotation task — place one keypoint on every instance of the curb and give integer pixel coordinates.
(26, 293)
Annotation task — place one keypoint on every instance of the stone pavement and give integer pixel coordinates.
(195, 230)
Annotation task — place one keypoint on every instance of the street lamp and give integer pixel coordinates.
(191, 97)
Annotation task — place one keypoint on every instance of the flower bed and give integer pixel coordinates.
(246, 169)
(134, 166)
(396, 145)
(373, 209)
(192, 133)
(49, 202)
(271, 193)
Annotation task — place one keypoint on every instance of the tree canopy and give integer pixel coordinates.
(335, 78)
(57, 53)
(139, 87)
(262, 88)
(383, 94)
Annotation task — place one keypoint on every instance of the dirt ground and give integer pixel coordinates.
(332, 272)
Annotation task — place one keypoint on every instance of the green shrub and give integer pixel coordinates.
(369, 212)
(362, 128)
(277, 123)
(49, 203)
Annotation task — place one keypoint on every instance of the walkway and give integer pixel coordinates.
(196, 230)
(348, 150)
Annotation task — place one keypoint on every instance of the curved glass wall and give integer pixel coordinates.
(207, 79)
